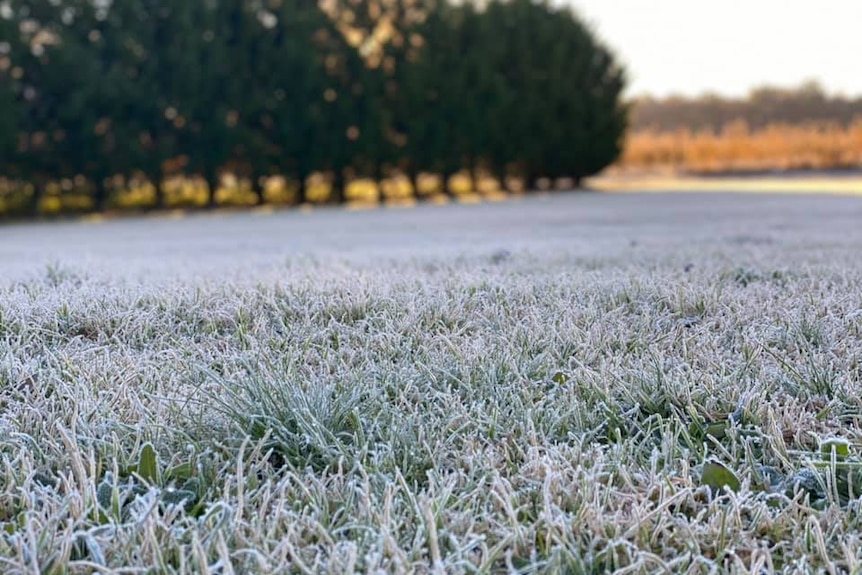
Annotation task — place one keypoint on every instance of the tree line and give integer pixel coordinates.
(95, 92)
(771, 129)
(766, 106)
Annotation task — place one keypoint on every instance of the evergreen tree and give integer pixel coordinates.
(289, 97)
(112, 130)
(42, 123)
(197, 64)
(139, 29)
(346, 107)
(429, 99)
(585, 97)
(404, 89)
(380, 31)
(10, 110)
(77, 94)
(475, 91)
(8, 125)
(346, 87)
(558, 95)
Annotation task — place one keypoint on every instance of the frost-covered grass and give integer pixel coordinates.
(527, 387)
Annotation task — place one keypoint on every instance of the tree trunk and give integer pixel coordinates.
(302, 189)
(257, 187)
(212, 178)
(531, 181)
(578, 182)
(500, 174)
(100, 194)
(379, 176)
(157, 179)
(413, 176)
(36, 198)
(447, 185)
(159, 184)
(336, 193)
(474, 179)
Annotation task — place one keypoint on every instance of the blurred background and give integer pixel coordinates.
(133, 105)
(740, 87)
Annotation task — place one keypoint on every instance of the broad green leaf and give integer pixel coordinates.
(105, 494)
(180, 472)
(717, 476)
(181, 497)
(840, 447)
(714, 429)
(192, 484)
(148, 465)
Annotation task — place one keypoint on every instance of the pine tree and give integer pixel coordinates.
(383, 34)
(559, 99)
(111, 136)
(585, 94)
(199, 61)
(431, 98)
(369, 29)
(284, 103)
(78, 90)
(10, 109)
(142, 29)
(346, 108)
(291, 87)
(56, 75)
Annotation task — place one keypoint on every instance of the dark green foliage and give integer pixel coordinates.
(9, 107)
(428, 102)
(8, 91)
(207, 71)
(556, 96)
(95, 94)
(284, 104)
(86, 103)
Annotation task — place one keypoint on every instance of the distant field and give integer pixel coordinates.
(736, 147)
(561, 383)
(805, 182)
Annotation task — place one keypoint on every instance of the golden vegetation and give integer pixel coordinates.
(770, 129)
(738, 148)
(191, 192)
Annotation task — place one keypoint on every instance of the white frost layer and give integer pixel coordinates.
(626, 227)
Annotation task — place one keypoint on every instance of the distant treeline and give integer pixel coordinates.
(805, 105)
(100, 97)
(772, 129)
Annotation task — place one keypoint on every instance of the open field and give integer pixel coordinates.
(844, 183)
(555, 384)
(736, 147)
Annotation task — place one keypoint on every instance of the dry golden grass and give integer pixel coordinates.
(738, 148)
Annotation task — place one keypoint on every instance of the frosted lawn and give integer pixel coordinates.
(529, 386)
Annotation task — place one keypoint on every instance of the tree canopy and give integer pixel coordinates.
(95, 94)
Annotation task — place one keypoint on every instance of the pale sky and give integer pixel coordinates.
(729, 46)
